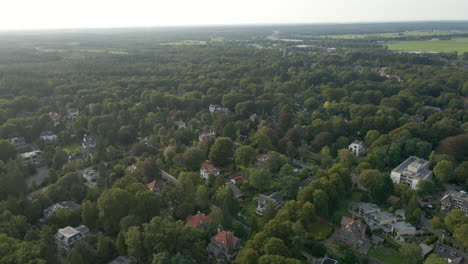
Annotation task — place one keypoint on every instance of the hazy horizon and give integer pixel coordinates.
(55, 14)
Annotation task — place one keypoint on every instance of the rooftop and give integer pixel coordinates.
(198, 220)
(402, 226)
(225, 239)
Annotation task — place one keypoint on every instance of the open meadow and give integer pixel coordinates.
(459, 45)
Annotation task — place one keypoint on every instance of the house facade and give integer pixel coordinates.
(66, 238)
(208, 168)
(263, 201)
(33, 158)
(48, 136)
(454, 200)
(357, 148)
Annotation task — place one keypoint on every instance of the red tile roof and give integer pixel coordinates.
(225, 239)
(198, 220)
(155, 186)
(209, 168)
(236, 177)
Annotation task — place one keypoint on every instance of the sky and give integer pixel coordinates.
(63, 14)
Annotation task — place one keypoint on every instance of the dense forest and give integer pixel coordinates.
(144, 130)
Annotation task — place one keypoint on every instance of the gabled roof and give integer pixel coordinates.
(155, 186)
(209, 168)
(235, 190)
(225, 239)
(237, 177)
(198, 220)
(352, 225)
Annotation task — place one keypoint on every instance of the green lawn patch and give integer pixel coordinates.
(249, 208)
(459, 45)
(385, 254)
(320, 230)
(72, 149)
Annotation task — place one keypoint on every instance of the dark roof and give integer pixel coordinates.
(235, 190)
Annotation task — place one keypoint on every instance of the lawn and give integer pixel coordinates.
(72, 149)
(387, 35)
(249, 207)
(186, 42)
(320, 230)
(456, 44)
(387, 255)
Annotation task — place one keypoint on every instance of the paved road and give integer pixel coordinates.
(169, 177)
(438, 232)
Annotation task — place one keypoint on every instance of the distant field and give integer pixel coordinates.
(388, 35)
(195, 42)
(457, 44)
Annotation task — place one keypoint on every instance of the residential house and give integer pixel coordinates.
(306, 182)
(379, 219)
(450, 254)
(418, 118)
(253, 117)
(425, 249)
(263, 201)
(325, 260)
(180, 124)
(168, 148)
(89, 143)
(155, 186)
(73, 112)
(454, 200)
(123, 260)
(353, 234)
(411, 171)
(207, 135)
(67, 205)
(224, 246)
(55, 118)
(67, 237)
(48, 136)
(376, 240)
(208, 168)
(235, 190)
(33, 158)
(402, 230)
(263, 158)
(237, 177)
(19, 142)
(199, 220)
(76, 157)
(357, 148)
(213, 108)
(361, 209)
(433, 108)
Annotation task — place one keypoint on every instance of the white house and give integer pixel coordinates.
(357, 148)
(48, 136)
(207, 168)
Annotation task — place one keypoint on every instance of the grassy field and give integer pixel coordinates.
(72, 149)
(387, 35)
(457, 44)
(387, 255)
